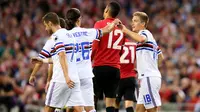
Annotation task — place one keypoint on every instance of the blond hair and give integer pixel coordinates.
(143, 17)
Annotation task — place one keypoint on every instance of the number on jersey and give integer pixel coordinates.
(116, 43)
(127, 50)
(85, 52)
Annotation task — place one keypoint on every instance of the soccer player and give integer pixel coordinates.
(64, 87)
(106, 58)
(148, 56)
(127, 83)
(38, 65)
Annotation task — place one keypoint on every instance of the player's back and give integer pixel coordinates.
(64, 42)
(108, 50)
(147, 56)
(127, 60)
(84, 38)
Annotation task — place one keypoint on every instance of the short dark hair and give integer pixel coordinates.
(62, 22)
(72, 16)
(114, 9)
(51, 17)
(143, 17)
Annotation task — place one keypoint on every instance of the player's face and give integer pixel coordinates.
(137, 25)
(48, 27)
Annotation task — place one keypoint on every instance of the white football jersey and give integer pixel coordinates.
(60, 41)
(147, 56)
(84, 38)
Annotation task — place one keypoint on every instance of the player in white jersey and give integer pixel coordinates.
(65, 85)
(84, 38)
(148, 57)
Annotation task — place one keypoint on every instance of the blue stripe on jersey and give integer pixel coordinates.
(66, 45)
(144, 48)
(65, 52)
(59, 50)
(58, 43)
(41, 56)
(144, 34)
(158, 52)
(149, 42)
(97, 34)
(46, 52)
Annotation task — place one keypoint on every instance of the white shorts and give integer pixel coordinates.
(58, 95)
(149, 92)
(87, 91)
(75, 98)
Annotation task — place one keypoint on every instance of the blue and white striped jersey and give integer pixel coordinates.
(147, 56)
(84, 38)
(60, 41)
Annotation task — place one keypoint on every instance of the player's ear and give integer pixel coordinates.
(49, 23)
(106, 9)
(143, 24)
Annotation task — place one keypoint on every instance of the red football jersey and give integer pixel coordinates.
(107, 50)
(127, 60)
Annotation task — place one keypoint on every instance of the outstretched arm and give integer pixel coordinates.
(133, 35)
(108, 28)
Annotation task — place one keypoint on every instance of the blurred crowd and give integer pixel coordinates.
(174, 23)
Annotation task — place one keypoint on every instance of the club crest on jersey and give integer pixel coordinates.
(56, 38)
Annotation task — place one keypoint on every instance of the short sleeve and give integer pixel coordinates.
(46, 50)
(144, 34)
(93, 34)
(59, 43)
(159, 50)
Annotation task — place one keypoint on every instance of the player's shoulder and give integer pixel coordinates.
(59, 33)
(145, 31)
(100, 21)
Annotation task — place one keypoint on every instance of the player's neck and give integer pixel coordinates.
(55, 28)
(108, 16)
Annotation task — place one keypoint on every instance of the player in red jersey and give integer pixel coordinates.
(106, 57)
(127, 83)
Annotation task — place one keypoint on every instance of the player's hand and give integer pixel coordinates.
(35, 60)
(121, 26)
(70, 83)
(47, 86)
(32, 80)
(117, 22)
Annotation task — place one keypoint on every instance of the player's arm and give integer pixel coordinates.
(133, 35)
(109, 27)
(63, 62)
(160, 57)
(49, 76)
(50, 72)
(45, 53)
(97, 32)
(60, 49)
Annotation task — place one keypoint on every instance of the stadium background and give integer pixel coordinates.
(175, 25)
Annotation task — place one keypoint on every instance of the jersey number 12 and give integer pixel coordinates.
(116, 43)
